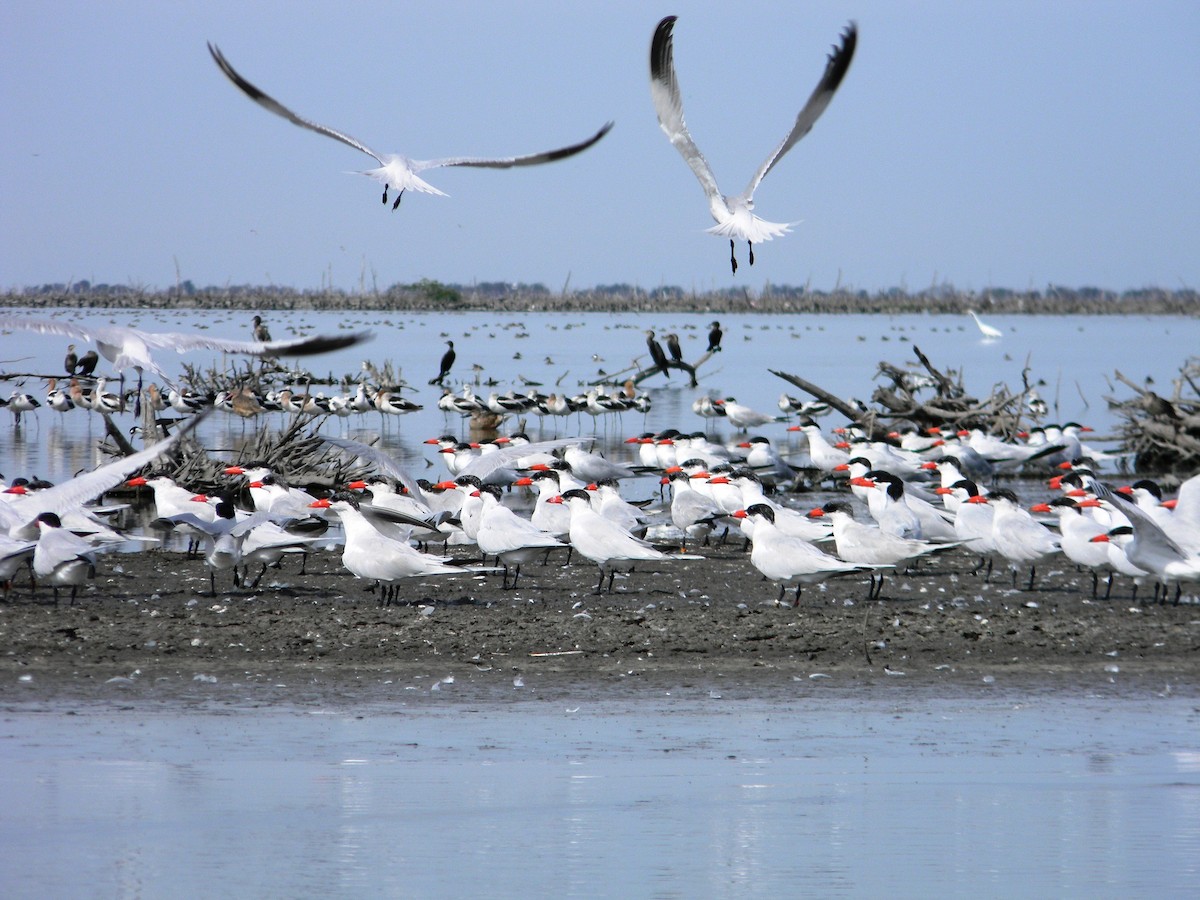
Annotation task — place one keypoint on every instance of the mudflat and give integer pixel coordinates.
(151, 616)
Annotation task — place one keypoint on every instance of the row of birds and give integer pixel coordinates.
(879, 523)
(130, 348)
(733, 214)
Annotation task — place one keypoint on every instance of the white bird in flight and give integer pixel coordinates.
(396, 171)
(130, 348)
(734, 215)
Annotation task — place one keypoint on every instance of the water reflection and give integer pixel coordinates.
(642, 797)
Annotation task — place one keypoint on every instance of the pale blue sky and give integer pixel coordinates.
(1011, 144)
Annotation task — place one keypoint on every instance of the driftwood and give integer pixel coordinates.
(644, 372)
(902, 402)
(1163, 433)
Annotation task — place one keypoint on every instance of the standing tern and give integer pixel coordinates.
(604, 542)
(734, 215)
(395, 171)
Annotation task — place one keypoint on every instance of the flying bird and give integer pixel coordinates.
(734, 215)
(130, 348)
(395, 171)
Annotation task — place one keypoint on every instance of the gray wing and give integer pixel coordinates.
(1151, 539)
(266, 101)
(110, 334)
(835, 71)
(488, 463)
(182, 343)
(69, 495)
(382, 461)
(664, 90)
(507, 162)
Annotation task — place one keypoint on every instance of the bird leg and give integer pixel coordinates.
(732, 256)
(751, 246)
(796, 602)
(399, 197)
(385, 195)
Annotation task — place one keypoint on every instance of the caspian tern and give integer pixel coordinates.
(610, 547)
(505, 535)
(1077, 530)
(397, 172)
(858, 542)
(61, 557)
(1151, 548)
(1018, 536)
(787, 559)
(68, 497)
(369, 554)
(734, 215)
(693, 512)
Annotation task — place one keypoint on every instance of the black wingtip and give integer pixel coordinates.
(660, 48)
(841, 55)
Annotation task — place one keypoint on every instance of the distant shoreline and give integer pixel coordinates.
(430, 296)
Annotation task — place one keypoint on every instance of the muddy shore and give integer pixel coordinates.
(149, 618)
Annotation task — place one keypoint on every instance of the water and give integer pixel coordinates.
(1074, 356)
(825, 790)
(870, 789)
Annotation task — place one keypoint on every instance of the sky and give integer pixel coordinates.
(1003, 144)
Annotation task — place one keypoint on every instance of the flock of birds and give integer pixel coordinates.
(506, 502)
(510, 501)
(734, 214)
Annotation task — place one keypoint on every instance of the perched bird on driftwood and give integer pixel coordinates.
(673, 347)
(656, 353)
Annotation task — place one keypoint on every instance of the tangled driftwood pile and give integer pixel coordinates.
(1163, 433)
(926, 397)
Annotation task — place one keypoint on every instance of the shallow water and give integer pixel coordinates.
(1074, 355)
(831, 790)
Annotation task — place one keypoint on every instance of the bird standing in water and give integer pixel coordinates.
(447, 362)
(714, 337)
(71, 360)
(261, 331)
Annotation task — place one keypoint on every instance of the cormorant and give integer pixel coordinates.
(673, 347)
(656, 353)
(447, 362)
(87, 363)
(714, 337)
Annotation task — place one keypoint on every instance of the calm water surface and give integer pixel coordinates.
(1074, 356)
(867, 791)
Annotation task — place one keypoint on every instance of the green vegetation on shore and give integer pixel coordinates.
(427, 295)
